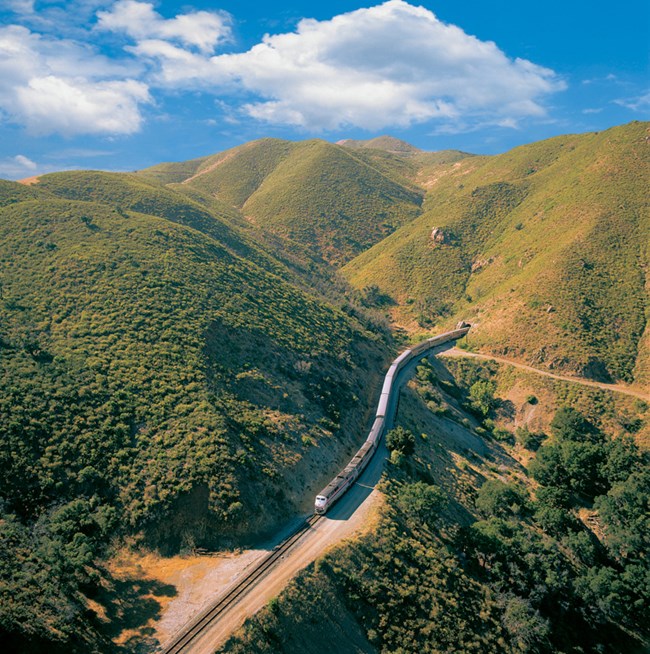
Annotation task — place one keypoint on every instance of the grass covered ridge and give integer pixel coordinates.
(543, 249)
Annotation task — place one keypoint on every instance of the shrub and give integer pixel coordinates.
(496, 498)
(401, 440)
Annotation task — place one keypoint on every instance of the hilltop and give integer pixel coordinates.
(307, 192)
(387, 143)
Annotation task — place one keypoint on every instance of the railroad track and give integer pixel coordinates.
(212, 613)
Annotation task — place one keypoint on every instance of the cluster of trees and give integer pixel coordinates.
(563, 575)
(581, 464)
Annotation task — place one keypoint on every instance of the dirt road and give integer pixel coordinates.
(616, 388)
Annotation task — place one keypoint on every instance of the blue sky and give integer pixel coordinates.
(124, 84)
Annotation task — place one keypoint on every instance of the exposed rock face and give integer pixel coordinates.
(481, 263)
(438, 236)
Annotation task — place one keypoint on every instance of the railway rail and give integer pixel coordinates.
(232, 595)
(339, 485)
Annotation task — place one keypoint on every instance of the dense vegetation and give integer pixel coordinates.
(505, 568)
(176, 351)
(162, 378)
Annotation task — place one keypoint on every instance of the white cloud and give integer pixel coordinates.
(53, 85)
(394, 64)
(390, 65)
(20, 6)
(51, 104)
(17, 167)
(25, 162)
(640, 103)
(201, 29)
(178, 68)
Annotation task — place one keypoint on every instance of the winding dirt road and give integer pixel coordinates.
(616, 388)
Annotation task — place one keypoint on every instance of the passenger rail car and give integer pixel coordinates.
(335, 489)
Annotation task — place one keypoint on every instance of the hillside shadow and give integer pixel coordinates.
(128, 608)
(362, 488)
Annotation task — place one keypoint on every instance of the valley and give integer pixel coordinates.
(191, 351)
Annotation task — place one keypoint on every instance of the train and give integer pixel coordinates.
(337, 487)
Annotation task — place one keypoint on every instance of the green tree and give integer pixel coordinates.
(569, 424)
(420, 501)
(496, 498)
(400, 439)
(481, 394)
(623, 457)
(527, 628)
(625, 513)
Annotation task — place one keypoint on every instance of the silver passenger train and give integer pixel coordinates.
(335, 489)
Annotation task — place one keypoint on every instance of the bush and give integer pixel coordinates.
(482, 399)
(503, 436)
(401, 440)
(420, 501)
(527, 439)
(496, 498)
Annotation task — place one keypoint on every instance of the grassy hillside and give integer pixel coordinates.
(233, 176)
(309, 192)
(157, 385)
(543, 248)
(314, 197)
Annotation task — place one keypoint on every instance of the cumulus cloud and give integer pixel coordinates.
(199, 29)
(52, 85)
(394, 64)
(51, 104)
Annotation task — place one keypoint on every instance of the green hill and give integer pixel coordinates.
(309, 192)
(314, 197)
(387, 143)
(543, 248)
(163, 381)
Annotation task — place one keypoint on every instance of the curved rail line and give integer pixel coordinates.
(231, 596)
(338, 486)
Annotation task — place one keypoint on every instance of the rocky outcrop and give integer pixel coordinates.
(438, 236)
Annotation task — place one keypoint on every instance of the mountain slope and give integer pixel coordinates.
(314, 197)
(157, 385)
(544, 248)
(309, 192)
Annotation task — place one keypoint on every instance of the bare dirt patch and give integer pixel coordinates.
(196, 580)
(29, 181)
